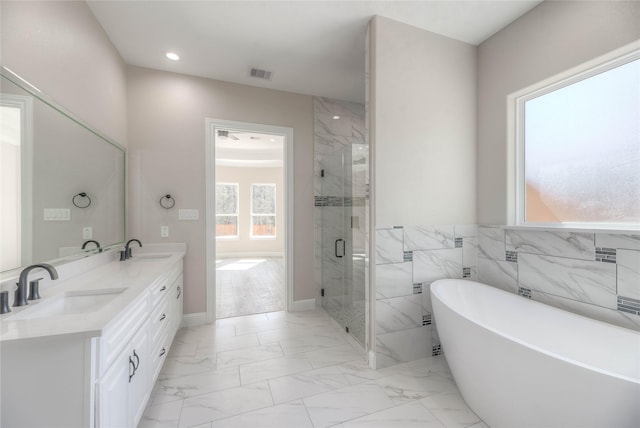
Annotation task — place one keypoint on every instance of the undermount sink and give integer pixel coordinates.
(70, 302)
(149, 257)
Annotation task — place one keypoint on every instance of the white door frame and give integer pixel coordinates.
(25, 104)
(212, 125)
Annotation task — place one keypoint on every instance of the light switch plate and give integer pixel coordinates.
(57, 214)
(164, 231)
(188, 214)
(87, 232)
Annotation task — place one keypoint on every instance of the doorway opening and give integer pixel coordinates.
(249, 218)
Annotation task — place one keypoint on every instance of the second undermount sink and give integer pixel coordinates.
(70, 302)
(149, 257)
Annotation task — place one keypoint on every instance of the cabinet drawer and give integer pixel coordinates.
(160, 290)
(158, 355)
(122, 329)
(161, 318)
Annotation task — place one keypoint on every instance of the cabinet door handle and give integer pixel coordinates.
(179, 292)
(338, 241)
(163, 317)
(137, 364)
(132, 369)
(164, 351)
(164, 287)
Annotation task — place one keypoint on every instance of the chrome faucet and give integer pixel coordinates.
(92, 241)
(21, 291)
(126, 253)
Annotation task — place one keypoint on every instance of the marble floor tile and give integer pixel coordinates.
(305, 384)
(296, 370)
(402, 387)
(296, 331)
(210, 346)
(197, 384)
(249, 355)
(450, 409)
(288, 415)
(276, 367)
(329, 356)
(311, 342)
(162, 416)
(242, 291)
(344, 404)
(225, 403)
(410, 415)
(184, 366)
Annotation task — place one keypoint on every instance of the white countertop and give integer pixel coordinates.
(135, 274)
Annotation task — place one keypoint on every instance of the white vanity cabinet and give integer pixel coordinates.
(124, 389)
(127, 382)
(101, 376)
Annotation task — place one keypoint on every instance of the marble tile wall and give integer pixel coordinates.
(340, 171)
(589, 273)
(407, 260)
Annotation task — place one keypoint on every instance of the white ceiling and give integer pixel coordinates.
(249, 149)
(312, 47)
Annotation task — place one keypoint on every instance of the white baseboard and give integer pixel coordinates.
(192, 320)
(303, 305)
(240, 255)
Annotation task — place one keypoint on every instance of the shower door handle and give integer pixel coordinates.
(338, 241)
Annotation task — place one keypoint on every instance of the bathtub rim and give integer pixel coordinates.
(441, 284)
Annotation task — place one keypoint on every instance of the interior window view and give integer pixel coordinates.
(320, 214)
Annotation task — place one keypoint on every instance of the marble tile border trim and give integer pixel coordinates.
(629, 305)
(458, 243)
(511, 256)
(606, 255)
(524, 292)
(339, 201)
(408, 256)
(426, 319)
(466, 272)
(436, 350)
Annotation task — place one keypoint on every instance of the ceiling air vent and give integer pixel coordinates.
(260, 74)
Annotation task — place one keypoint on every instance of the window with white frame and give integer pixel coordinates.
(578, 149)
(226, 210)
(263, 210)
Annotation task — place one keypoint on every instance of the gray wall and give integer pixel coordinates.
(423, 126)
(167, 114)
(60, 47)
(422, 132)
(549, 39)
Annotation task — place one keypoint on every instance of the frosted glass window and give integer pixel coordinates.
(582, 150)
(227, 210)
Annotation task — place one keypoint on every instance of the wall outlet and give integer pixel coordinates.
(87, 232)
(164, 231)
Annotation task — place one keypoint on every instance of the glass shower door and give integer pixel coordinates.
(342, 234)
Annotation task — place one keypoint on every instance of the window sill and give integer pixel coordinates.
(262, 238)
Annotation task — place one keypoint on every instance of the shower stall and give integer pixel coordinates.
(341, 167)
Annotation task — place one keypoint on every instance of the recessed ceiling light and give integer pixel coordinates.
(336, 117)
(173, 56)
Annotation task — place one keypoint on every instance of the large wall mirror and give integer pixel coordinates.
(62, 183)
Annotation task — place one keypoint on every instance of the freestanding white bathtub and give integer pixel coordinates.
(519, 363)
